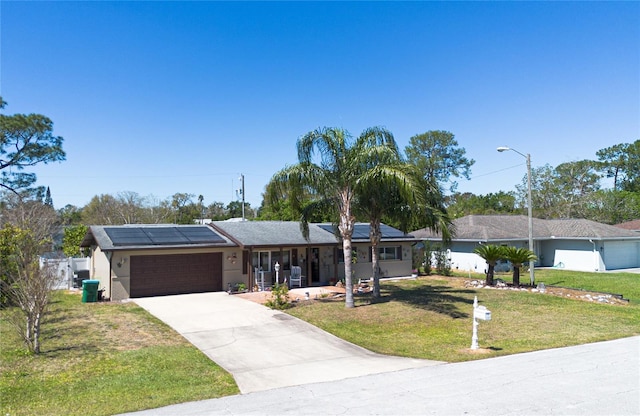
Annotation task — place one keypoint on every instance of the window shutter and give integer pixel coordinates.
(245, 261)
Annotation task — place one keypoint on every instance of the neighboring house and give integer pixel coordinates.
(148, 260)
(574, 244)
(630, 225)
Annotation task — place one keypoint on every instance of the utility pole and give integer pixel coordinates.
(242, 193)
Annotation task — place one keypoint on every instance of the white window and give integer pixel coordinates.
(390, 253)
(267, 259)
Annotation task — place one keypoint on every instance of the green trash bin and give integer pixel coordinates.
(90, 290)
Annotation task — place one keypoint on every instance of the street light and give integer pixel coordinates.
(529, 208)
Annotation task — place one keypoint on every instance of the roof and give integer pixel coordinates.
(224, 234)
(516, 227)
(288, 233)
(272, 233)
(361, 231)
(630, 225)
(140, 236)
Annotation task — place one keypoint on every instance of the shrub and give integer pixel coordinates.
(279, 297)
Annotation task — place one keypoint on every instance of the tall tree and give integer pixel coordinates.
(574, 181)
(393, 192)
(184, 209)
(234, 210)
(461, 204)
(609, 206)
(47, 198)
(71, 240)
(437, 155)
(216, 211)
(545, 198)
(102, 210)
(25, 140)
(622, 163)
(333, 166)
(560, 192)
(282, 209)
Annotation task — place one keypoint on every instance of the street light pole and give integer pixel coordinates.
(529, 208)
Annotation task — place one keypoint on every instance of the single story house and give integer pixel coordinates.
(148, 260)
(574, 244)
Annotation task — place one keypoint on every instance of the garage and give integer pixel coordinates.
(621, 254)
(175, 274)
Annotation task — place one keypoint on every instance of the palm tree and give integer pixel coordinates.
(518, 256)
(491, 254)
(393, 193)
(333, 167)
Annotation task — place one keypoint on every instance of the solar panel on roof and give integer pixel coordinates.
(127, 236)
(165, 235)
(390, 232)
(327, 227)
(198, 235)
(361, 231)
(149, 236)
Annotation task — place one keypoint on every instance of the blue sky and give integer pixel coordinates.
(166, 97)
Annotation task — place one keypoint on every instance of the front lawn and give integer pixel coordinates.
(431, 317)
(102, 359)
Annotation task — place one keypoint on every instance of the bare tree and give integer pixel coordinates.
(24, 236)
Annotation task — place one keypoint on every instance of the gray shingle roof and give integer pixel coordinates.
(515, 227)
(272, 233)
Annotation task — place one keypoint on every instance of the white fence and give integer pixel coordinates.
(67, 269)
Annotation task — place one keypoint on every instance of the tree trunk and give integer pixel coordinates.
(375, 240)
(36, 335)
(489, 281)
(348, 280)
(346, 226)
(376, 271)
(516, 275)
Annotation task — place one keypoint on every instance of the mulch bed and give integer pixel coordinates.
(579, 294)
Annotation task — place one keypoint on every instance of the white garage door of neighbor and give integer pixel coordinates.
(621, 254)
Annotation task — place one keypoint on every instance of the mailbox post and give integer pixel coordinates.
(482, 313)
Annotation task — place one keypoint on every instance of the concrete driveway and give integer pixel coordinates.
(265, 349)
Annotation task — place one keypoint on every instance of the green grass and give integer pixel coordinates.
(431, 318)
(626, 284)
(106, 358)
(101, 359)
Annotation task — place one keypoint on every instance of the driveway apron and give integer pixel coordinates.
(266, 349)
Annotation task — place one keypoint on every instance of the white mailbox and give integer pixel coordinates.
(482, 313)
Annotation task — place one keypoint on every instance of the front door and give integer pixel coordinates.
(315, 265)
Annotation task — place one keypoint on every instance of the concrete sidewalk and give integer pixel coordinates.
(592, 379)
(265, 349)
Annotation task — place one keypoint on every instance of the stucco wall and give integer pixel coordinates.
(463, 258)
(99, 270)
(363, 269)
(571, 255)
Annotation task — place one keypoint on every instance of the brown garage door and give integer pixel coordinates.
(175, 274)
